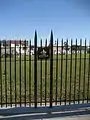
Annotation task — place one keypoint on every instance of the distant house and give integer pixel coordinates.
(12, 43)
(78, 49)
(15, 43)
(59, 48)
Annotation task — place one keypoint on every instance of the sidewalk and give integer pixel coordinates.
(39, 117)
(82, 117)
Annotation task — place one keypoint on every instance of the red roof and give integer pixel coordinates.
(17, 42)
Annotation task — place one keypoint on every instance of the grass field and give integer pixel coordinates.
(61, 85)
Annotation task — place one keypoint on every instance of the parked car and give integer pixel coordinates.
(58, 52)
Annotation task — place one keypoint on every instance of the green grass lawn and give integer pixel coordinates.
(58, 84)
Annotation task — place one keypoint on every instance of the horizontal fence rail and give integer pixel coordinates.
(44, 75)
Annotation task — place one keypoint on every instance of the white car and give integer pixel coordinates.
(56, 52)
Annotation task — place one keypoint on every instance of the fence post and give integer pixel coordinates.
(15, 78)
(25, 72)
(35, 69)
(10, 77)
(45, 76)
(61, 69)
(88, 83)
(41, 78)
(20, 67)
(84, 81)
(1, 72)
(66, 72)
(80, 73)
(56, 73)
(5, 74)
(51, 68)
(30, 83)
(75, 76)
(70, 93)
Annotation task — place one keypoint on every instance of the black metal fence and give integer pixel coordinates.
(47, 75)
